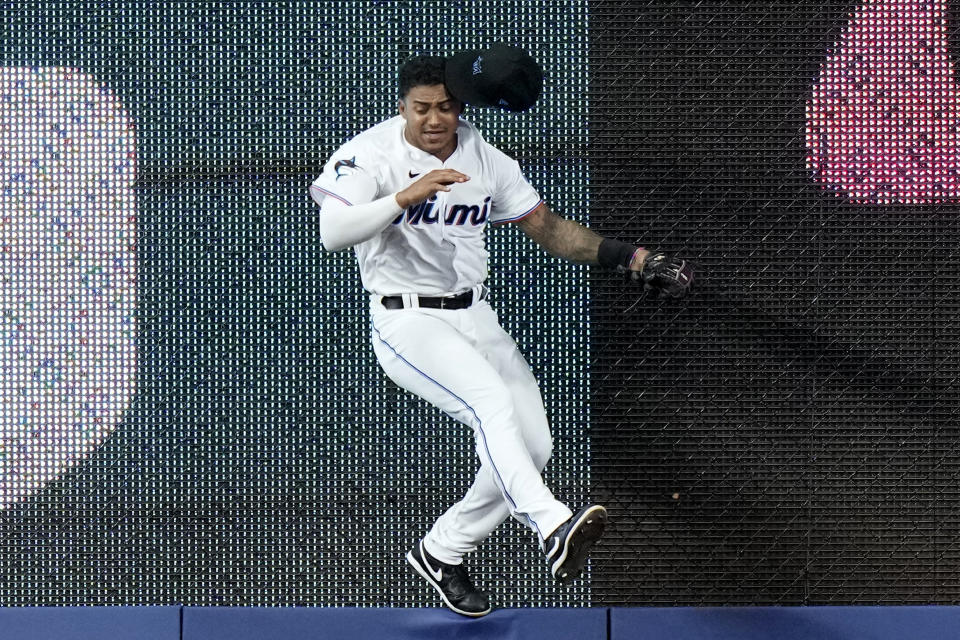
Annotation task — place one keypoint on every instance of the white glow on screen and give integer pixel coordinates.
(68, 264)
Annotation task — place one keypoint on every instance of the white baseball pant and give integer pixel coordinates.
(464, 363)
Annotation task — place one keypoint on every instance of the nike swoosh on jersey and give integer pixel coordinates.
(412, 174)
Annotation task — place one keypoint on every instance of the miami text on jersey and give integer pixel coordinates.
(458, 214)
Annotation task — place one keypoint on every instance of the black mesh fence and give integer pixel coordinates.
(787, 434)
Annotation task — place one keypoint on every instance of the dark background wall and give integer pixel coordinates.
(788, 434)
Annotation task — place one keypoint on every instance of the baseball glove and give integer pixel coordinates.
(665, 277)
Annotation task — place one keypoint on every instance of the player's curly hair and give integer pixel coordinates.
(420, 70)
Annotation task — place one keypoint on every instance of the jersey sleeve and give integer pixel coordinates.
(513, 198)
(348, 177)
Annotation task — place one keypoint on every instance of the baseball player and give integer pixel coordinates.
(413, 196)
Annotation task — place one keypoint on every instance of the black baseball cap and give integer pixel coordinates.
(501, 76)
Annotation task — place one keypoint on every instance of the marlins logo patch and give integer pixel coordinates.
(344, 165)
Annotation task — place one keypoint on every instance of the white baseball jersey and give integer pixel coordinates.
(437, 247)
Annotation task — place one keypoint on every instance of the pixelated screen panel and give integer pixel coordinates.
(883, 123)
(263, 459)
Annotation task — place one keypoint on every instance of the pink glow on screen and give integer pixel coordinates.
(883, 123)
(68, 265)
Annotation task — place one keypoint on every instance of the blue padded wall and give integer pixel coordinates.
(786, 623)
(319, 623)
(90, 623)
(245, 623)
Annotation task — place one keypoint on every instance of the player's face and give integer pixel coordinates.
(432, 117)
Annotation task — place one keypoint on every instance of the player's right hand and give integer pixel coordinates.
(428, 186)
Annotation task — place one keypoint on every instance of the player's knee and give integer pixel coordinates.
(540, 448)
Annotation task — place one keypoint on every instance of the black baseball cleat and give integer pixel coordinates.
(568, 546)
(451, 582)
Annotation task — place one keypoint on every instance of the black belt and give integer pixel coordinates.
(459, 301)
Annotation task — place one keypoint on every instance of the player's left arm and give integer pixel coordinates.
(571, 240)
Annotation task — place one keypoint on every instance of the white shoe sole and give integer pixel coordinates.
(426, 576)
(583, 534)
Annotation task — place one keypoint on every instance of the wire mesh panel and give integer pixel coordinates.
(785, 435)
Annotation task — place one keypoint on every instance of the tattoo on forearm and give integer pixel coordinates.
(567, 239)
